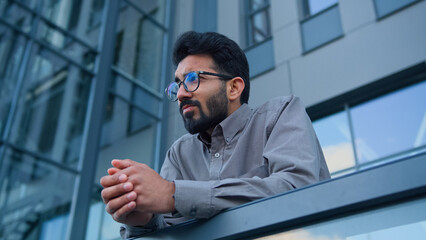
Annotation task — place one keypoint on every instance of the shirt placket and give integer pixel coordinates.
(216, 154)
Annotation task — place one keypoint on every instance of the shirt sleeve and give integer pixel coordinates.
(156, 222)
(294, 159)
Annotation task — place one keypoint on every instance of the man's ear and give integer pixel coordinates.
(235, 88)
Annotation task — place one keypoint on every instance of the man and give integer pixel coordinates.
(232, 155)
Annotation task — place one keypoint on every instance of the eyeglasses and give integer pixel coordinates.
(191, 82)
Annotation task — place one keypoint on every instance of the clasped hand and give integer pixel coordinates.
(133, 192)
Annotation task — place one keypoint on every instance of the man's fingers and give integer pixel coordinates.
(119, 202)
(122, 164)
(111, 180)
(115, 191)
(112, 171)
(121, 214)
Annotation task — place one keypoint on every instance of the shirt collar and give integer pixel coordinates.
(230, 125)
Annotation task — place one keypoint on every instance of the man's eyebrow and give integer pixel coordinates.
(177, 80)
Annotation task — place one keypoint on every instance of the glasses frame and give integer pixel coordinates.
(222, 76)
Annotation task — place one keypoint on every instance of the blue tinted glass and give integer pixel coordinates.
(393, 123)
(384, 7)
(334, 135)
(321, 29)
(316, 6)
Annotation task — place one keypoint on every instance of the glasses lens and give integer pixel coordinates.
(191, 81)
(172, 91)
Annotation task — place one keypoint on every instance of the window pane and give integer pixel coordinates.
(139, 47)
(52, 108)
(385, 7)
(63, 13)
(316, 6)
(16, 15)
(155, 8)
(321, 29)
(257, 4)
(260, 28)
(146, 101)
(11, 51)
(335, 138)
(391, 124)
(147, 67)
(66, 45)
(34, 196)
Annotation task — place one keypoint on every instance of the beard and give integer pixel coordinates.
(218, 109)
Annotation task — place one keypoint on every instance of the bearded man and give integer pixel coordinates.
(232, 154)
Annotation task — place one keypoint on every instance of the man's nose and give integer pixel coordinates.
(182, 93)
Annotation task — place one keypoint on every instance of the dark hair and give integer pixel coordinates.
(228, 57)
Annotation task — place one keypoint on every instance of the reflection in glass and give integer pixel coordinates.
(402, 221)
(390, 124)
(139, 47)
(316, 6)
(16, 15)
(33, 195)
(385, 7)
(63, 13)
(147, 63)
(321, 29)
(100, 219)
(11, 51)
(335, 138)
(259, 25)
(51, 111)
(155, 8)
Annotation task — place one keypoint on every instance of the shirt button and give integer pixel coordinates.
(227, 139)
(216, 155)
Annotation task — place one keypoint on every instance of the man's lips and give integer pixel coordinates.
(187, 108)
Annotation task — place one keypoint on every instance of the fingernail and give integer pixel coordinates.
(131, 196)
(127, 186)
(122, 178)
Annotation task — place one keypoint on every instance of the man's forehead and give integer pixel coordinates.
(194, 63)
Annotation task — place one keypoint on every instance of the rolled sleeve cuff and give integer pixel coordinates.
(193, 198)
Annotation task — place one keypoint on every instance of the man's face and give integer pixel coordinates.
(203, 109)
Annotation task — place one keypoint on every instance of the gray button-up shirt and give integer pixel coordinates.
(251, 154)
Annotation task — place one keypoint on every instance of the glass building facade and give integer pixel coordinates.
(77, 80)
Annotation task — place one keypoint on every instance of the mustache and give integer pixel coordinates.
(189, 102)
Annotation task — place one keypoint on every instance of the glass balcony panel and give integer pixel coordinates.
(335, 138)
(51, 112)
(34, 195)
(390, 124)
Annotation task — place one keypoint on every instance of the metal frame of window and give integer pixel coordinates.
(250, 25)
